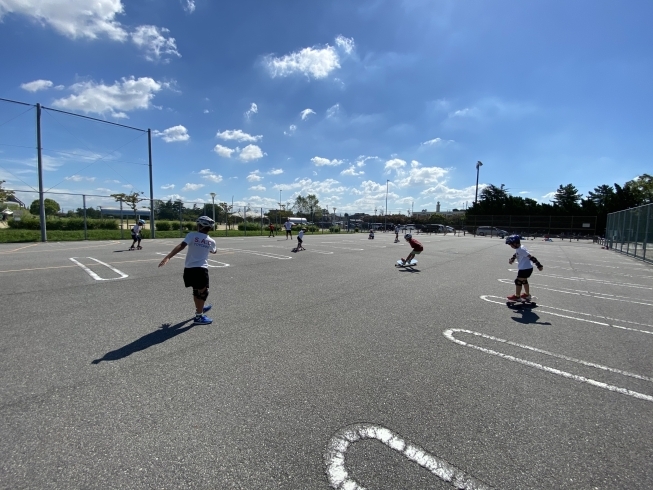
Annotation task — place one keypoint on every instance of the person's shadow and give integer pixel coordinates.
(166, 332)
(528, 316)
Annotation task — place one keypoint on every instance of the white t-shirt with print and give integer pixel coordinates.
(198, 247)
(300, 235)
(522, 258)
(136, 229)
(287, 225)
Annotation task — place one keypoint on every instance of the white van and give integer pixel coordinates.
(491, 231)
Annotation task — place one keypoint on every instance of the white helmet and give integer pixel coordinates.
(205, 222)
(141, 222)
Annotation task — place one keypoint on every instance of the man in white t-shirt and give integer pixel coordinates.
(288, 226)
(196, 268)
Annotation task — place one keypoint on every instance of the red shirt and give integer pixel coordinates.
(416, 245)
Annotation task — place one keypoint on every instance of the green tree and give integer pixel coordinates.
(567, 197)
(4, 193)
(601, 196)
(131, 200)
(642, 188)
(51, 207)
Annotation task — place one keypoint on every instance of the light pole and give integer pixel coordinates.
(479, 164)
(385, 222)
(213, 199)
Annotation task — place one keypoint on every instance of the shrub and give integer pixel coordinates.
(64, 224)
(250, 226)
(190, 226)
(334, 229)
(163, 225)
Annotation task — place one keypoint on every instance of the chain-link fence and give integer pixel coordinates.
(631, 232)
(531, 225)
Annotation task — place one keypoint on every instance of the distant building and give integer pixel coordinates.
(116, 213)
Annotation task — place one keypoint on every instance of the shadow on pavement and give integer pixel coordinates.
(166, 332)
(528, 316)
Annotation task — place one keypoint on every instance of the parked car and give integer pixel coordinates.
(491, 231)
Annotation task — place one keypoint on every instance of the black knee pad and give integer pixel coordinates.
(519, 281)
(201, 295)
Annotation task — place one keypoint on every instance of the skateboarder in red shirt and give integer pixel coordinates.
(417, 248)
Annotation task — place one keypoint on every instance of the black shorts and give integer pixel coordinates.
(524, 273)
(196, 278)
(300, 240)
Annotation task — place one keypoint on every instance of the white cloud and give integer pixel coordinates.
(85, 19)
(173, 134)
(395, 163)
(223, 151)
(437, 142)
(192, 187)
(291, 130)
(98, 98)
(72, 18)
(36, 85)
(306, 112)
(360, 161)
(237, 135)
(351, 171)
(313, 187)
(549, 196)
(314, 62)
(345, 43)
(419, 175)
(275, 171)
(257, 188)
(253, 109)
(153, 41)
(466, 112)
(208, 175)
(320, 162)
(189, 6)
(333, 111)
(79, 178)
(250, 152)
(254, 176)
(206, 111)
(168, 186)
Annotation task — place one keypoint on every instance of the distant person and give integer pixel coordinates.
(397, 234)
(271, 234)
(288, 226)
(136, 234)
(417, 248)
(196, 266)
(524, 268)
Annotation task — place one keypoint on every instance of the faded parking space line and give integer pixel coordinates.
(94, 275)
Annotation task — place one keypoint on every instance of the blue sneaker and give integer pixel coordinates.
(206, 308)
(202, 320)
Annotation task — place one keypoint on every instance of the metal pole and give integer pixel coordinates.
(149, 154)
(648, 218)
(636, 232)
(478, 167)
(261, 221)
(181, 226)
(39, 159)
(121, 230)
(385, 222)
(85, 227)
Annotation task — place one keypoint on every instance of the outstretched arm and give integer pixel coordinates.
(536, 262)
(174, 252)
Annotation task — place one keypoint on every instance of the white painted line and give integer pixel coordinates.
(262, 254)
(486, 297)
(641, 269)
(649, 276)
(579, 292)
(599, 281)
(94, 275)
(341, 441)
(307, 250)
(183, 256)
(449, 334)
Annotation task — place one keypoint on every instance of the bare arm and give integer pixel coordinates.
(174, 252)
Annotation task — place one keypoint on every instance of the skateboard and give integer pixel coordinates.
(400, 263)
(522, 303)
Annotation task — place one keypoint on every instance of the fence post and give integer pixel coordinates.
(261, 221)
(648, 219)
(636, 231)
(84, 205)
(39, 158)
(121, 230)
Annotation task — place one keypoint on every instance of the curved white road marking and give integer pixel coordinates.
(449, 334)
(341, 441)
(648, 276)
(94, 275)
(599, 281)
(581, 292)
(486, 297)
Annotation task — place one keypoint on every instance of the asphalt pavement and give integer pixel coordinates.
(326, 368)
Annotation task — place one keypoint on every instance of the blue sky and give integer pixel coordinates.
(334, 98)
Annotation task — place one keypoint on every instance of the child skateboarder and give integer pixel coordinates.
(300, 240)
(417, 248)
(196, 267)
(136, 234)
(524, 268)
